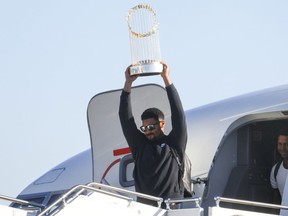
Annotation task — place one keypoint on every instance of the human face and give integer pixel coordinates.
(282, 146)
(154, 132)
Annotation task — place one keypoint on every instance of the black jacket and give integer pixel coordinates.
(156, 171)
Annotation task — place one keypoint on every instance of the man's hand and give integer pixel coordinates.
(129, 79)
(165, 74)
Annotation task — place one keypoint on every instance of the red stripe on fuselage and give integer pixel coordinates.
(122, 151)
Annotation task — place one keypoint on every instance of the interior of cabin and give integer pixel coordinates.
(243, 163)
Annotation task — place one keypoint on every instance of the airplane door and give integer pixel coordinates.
(108, 143)
(285, 199)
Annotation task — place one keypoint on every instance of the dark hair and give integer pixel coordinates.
(152, 113)
(283, 131)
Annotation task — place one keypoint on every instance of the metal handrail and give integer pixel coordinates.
(250, 203)
(22, 202)
(120, 190)
(91, 187)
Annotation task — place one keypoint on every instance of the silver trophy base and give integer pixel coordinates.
(146, 69)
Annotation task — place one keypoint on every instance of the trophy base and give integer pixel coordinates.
(146, 69)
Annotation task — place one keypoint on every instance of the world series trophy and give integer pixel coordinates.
(144, 41)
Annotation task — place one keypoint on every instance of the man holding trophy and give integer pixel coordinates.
(156, 171)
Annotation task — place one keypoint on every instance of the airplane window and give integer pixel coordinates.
(126, 171)
(49, 177)
(129, 171)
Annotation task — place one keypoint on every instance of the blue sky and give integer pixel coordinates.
(56, 55)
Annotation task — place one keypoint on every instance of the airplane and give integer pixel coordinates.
(231, 144)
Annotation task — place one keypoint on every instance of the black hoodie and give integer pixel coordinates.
(156, 171)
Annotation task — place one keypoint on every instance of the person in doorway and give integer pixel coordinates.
(156, 171)
(279, 171)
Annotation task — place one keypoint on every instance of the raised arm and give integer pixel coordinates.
(179, 128)
(165, 75)
(129, 80)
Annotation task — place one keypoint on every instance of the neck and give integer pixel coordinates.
(157, 139)
(285, 163)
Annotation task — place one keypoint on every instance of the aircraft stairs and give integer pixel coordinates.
(99, 199)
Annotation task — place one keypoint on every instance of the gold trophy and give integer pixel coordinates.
(144, 41)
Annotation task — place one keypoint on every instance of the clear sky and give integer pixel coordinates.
(55, 55)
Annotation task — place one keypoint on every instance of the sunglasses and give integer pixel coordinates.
(148, 127)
